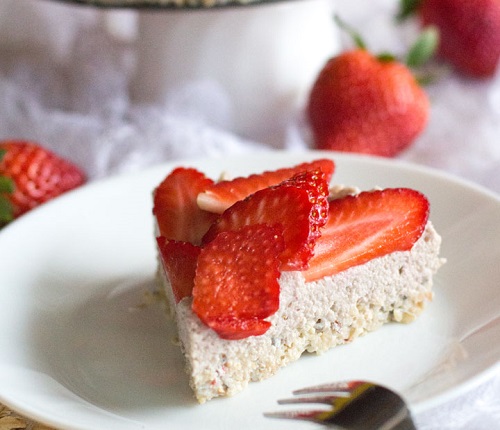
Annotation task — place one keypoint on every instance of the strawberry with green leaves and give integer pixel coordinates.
(371, 104)
(31, 175)
(469, 32)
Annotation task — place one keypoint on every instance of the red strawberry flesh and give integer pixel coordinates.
(179, 261)
(369, 225)
(177, 213)
(236, 284)
(221, 195)
(298, 205)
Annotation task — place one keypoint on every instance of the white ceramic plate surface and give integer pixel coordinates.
(78, 351)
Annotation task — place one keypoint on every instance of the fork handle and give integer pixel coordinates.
(406, 424)
(384, 410)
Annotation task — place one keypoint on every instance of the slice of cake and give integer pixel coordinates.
(258, 270)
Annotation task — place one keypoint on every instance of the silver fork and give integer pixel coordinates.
(356, 405)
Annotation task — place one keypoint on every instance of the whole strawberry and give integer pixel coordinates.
(367, 104)
(31, 175)
(469, 32)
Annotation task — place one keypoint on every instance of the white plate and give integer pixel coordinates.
(78, 352)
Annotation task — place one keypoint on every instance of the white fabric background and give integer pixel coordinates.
(64, 82)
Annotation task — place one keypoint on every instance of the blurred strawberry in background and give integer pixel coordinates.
(368, 103)
(31, 175)
(469, 31)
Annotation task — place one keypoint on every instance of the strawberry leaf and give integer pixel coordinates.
(6, 211)
(6, 185)
(424, 48)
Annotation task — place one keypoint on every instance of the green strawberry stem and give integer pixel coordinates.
(359, 42)
(386, 57)
(356, 37)
(419, 54)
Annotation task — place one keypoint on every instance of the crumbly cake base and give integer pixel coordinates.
(312, 317)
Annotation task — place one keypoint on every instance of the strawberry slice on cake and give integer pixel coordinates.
(247, 289)
(223, 194)
(277, 266)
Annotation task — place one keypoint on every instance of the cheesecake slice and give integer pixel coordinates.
(369, 260)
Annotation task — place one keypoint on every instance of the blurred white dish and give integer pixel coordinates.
(264, 58)
(79, 352)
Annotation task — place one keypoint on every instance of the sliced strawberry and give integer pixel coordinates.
(234, 328)
(221, 195)
(236, 282)
(179, 261)
(299, 205)
(366, 226)
(177, 213)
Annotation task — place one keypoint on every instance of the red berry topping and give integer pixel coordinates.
(298, 205)
(177, 213)
(221, 195)
(179, 261)
(236, 282)
(367, 226)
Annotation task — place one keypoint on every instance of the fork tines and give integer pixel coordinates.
(325, 393)
(354, 405)
(333, 387)
(328, 394)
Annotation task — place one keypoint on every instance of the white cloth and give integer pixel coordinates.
(64, 75)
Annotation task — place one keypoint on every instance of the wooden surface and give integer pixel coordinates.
(11, 421)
